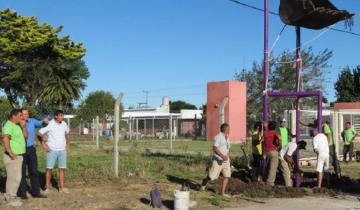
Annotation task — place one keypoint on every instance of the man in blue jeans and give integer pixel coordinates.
(58, 141)
(30, 158)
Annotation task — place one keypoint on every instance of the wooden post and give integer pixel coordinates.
(93, 129)
(117, 131)
(97, 132)
(137, 129)
(153, 126)
(170, 134)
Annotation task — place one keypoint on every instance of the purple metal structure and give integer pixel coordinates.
(297, 94)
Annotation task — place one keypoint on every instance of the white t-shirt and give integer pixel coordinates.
(289, 149)
(56, 133)
(223, 145)
(320, 143)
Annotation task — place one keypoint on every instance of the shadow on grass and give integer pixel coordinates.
(183, 182)
(42, 181)
(42, 176)
(196, 158)
(169, 204)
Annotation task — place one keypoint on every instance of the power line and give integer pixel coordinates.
(253, 7)
(277, 14)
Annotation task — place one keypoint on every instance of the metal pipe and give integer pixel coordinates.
(320, 112)
(298, 90)
(266, 60)
(295, 94)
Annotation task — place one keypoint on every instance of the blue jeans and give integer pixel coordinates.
(53, 156)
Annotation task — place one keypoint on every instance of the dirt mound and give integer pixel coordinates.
(259, 189)
(242, 184)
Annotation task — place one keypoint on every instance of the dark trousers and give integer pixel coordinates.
(31, 162)
(334, 161)
(348, 149)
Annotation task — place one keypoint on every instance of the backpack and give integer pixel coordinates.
(155, 198)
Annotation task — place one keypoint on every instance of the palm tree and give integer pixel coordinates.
(65, 85)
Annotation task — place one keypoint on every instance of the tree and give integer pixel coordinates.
(5, 108)
(99, 103)
(29, 53)
(65, 85)
(348, 85)
(282, 78)
(176, 106)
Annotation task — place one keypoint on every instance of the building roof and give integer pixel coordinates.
(347, 105)
(148, 115)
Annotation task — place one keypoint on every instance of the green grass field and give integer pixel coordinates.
(149, 159)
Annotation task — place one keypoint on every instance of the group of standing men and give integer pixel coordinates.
(19, 135)
(272, 145)
(280, 153)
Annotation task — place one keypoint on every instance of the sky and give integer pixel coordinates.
(174, 47)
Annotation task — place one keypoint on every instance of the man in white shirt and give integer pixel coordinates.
(287, 158)
(321, 148)
(220, 159)
(58, 141)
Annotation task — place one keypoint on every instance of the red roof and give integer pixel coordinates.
(349, 105)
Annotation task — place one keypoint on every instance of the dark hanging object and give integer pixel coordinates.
(312, 14)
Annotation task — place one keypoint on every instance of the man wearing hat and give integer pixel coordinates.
(287, 158)
(321, 148)
(284, 132)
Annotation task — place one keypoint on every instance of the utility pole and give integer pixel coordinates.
(116, 137)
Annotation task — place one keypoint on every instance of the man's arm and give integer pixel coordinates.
(355, 134)
(42, 142)
(6, 142)
(24, 128)
(291, 134)
(40, 123)
(67, 139)
(217, 151)
(278, 138)
(289, 159)
(328, 136)
(315, 145)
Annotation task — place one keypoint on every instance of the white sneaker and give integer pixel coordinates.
(12, 201)
(64, 190)
(46, 191)
(226, 195)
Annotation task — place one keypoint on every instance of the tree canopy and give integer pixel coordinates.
(348, 85)
(176, 106)
(282, 78)
(5, 109)
(99, 103)
(37, 65)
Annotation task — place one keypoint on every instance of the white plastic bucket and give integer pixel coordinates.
(182, 199)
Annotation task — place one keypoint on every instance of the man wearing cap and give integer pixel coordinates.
(321, 148)
(284, 132)
(328, 132)
(287, 158)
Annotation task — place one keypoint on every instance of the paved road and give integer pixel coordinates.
(306, 203)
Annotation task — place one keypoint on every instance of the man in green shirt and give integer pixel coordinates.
(327, 130)
(348, 135)
(13, 135)
(284, 132)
